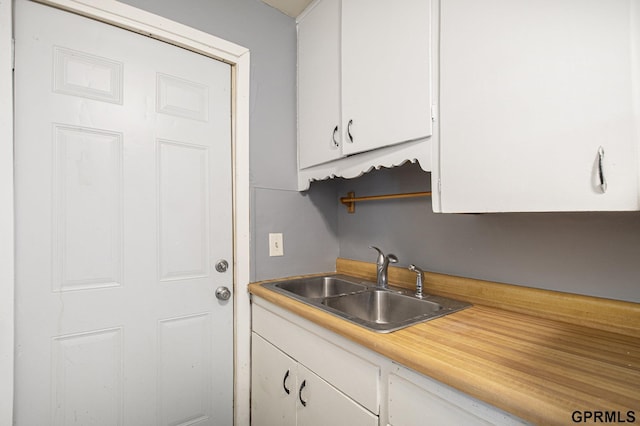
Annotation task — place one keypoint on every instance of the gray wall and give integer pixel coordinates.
(277, 206)
(595, 254)
(310, 223)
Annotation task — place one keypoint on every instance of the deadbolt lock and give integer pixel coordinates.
(222, 265)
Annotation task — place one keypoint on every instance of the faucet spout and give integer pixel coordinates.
(382, 266)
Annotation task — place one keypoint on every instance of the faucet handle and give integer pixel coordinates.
(382, 264)
(380, 259)
(419, 279)
(391, 258)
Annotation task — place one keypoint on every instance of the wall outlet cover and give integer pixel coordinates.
(276, 247)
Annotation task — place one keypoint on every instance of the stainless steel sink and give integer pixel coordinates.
(362, 303)
(315, 287)
(382, 306)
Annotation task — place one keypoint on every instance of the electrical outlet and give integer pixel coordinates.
(275, 245)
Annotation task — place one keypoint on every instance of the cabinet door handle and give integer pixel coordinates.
(603, 180)
(349, 135)
(284, 382)
(333, 137)
(302, 386)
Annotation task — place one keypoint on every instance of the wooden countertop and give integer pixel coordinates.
(538, 368)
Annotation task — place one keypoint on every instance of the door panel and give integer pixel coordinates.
(88, 361)
(183, 171)
(87, 208)
(185, 369)
(123, 202)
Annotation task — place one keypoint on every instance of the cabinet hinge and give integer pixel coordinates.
(13, 54)
(439, 186)
(434, 112)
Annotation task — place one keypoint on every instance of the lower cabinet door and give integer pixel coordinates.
(273, 385)
(416, 400)
(320, 404)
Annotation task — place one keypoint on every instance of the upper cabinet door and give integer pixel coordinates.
(319, 125)
(386, 73)
(539, 105)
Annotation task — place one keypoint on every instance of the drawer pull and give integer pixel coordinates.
(302, 386)
(333, 137)
(603, 181)
(350, 136)
(284, 382)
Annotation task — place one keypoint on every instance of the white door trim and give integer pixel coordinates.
(6, 216)
(148, 24)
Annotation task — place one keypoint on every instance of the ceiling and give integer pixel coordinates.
(289, 7)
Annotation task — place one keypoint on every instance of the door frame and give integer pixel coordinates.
(148, 24)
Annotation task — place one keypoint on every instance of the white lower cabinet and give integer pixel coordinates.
(301, 378)
(416, 400)
(320, 404)
(287, 393)
(303, 374)
(274, 385)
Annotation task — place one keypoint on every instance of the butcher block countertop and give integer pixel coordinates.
(538, 354)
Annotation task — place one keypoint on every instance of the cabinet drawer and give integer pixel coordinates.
(354, 376)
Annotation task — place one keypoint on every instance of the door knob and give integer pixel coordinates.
(223, 293)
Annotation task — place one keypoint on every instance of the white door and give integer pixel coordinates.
(123, 207)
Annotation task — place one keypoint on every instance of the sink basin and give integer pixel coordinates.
(382, 307)
(320, 287)
(364, 304)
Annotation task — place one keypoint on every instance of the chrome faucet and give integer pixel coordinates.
(419, 280)
(382, 266)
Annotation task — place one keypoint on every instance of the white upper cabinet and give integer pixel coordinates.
(386, 73)
(539, 105)
(364, 86)
(319, 85)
